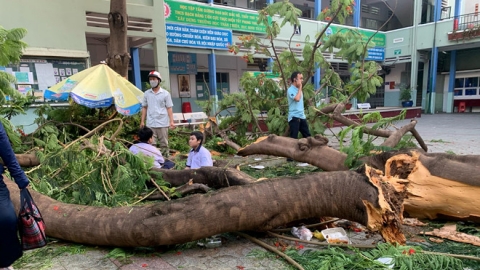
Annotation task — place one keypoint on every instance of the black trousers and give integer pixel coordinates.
(10, 248)
(296, 125)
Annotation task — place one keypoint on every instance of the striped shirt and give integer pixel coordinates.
(157, 104)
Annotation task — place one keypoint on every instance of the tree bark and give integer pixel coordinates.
(259, 206)
(118, 57)
(26, 160)
(313, 150)
(214, 177)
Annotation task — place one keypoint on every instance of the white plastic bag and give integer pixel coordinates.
(302, 233)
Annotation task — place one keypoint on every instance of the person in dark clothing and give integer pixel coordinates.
(10, 248)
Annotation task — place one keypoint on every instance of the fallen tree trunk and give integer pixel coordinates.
(313, 150)
(214, 177)
(439, 186)
(259, 206)
(417, 184)
(334, 111)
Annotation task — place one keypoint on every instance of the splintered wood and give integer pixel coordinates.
(449, 232)
(433, 196)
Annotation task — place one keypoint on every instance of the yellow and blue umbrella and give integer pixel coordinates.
(98, 87)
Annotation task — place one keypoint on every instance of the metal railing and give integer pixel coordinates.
(466, 21)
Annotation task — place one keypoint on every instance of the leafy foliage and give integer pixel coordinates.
(11, 49)
(362, 144)
(90, 170)
(11, 45)
(42, 258)
(283, 170)
(87, 177)
(405, 93)
(218, 144)
(404, 257)
(178, 139)
(267, 93)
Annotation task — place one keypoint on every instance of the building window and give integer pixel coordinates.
(371, 24)
(467, 88)
(225, 2)
(223, 86)
(257, 4)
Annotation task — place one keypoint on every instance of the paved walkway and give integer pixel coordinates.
(459, 133)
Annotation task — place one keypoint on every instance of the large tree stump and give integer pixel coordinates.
(438, 185)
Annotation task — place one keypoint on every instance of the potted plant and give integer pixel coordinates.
(406, 96)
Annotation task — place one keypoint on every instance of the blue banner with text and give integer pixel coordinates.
(198, 37)
(376, 54)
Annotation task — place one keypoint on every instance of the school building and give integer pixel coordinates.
(429, 45)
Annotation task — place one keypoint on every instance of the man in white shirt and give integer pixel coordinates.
(199, 156)
(157, 109)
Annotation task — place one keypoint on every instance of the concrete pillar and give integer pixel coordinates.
(270, 60)
(456, 13)
(137, 80)
(160, 51)
(357, 12)
(212, 78)
(269, 64)
(433, 80)
(417, 10)
(434, 60)
(451, 82)
(317, 8)
(161, 56)
(426, 78)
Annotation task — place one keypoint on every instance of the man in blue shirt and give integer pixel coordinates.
(296, 114)
(199, 156)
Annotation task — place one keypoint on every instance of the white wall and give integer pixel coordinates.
(395, 76)
(234, 65)
(468, 6)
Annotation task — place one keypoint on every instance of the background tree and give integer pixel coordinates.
(11, 49)
(264, 93)
(118, 57)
